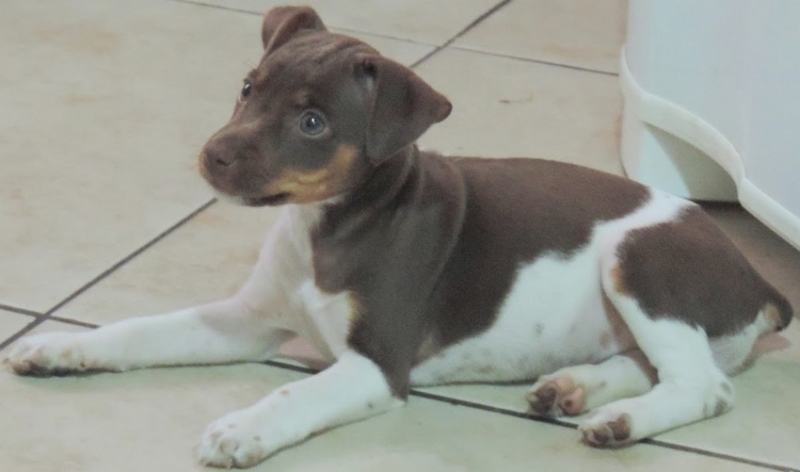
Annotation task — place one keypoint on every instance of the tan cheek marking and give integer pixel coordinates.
(311, 178)
(320, 183)
(356, 308)
(346, 154)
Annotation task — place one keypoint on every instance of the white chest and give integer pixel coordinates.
(324, 318)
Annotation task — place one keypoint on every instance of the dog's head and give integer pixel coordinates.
(319, 112)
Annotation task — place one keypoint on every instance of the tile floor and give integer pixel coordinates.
(103, 107)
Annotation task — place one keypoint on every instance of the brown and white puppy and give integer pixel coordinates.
(411, 268)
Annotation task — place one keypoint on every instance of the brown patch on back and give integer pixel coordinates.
(518, 210)
(690, 271)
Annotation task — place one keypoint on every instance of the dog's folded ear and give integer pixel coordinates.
(281, 23)
(401, 106)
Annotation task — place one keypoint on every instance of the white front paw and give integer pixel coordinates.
(48, 354)
(235, 440)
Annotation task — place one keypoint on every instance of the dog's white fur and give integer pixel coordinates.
(555, 317)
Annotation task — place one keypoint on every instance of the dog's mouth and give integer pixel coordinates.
(269, 200)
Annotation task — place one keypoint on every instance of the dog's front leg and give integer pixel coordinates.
(221, 332)
(352, 389)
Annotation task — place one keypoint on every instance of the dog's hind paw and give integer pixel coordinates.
(602, 429)
(557, 395)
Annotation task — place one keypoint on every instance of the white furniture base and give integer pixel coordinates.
(712, 103)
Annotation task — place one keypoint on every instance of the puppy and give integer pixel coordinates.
(410, 268)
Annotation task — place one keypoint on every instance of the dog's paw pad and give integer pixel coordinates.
(225, 444)
(43, 355)
(557, 396)
(607, 432)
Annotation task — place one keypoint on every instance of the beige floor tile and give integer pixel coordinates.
(150, 420)
(506, 107)
(101, 118)
(11, 322)
(415, 20)
(761, 427)
(206, 259)
(403, 52)
(579, 33)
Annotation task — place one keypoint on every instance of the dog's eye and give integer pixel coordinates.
(311, 123)
(246, 89)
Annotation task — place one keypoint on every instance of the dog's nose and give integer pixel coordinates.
(215, 156)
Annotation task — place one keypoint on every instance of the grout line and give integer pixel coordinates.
(536, 61)
(461, 33)
(538, 419)
(459, 402)
(491, 409)
(21, 311)
(74, 322)
(332, 28)
(41, 318)
(129, 257)
(33, 324)
(382, 35)
(436, 49)
(329, 26)
(218, 7)
(287, 366)
(564, 424)
(717, 455)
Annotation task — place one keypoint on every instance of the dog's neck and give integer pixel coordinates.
(391, 184)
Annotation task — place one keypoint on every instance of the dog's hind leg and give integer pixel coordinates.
(690, 385)
(573, 390)
(221, 332)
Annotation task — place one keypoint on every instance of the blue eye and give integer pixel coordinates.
(246, 89)
(311, 123)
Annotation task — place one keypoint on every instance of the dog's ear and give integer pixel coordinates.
(401, 106)
(281, 23)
